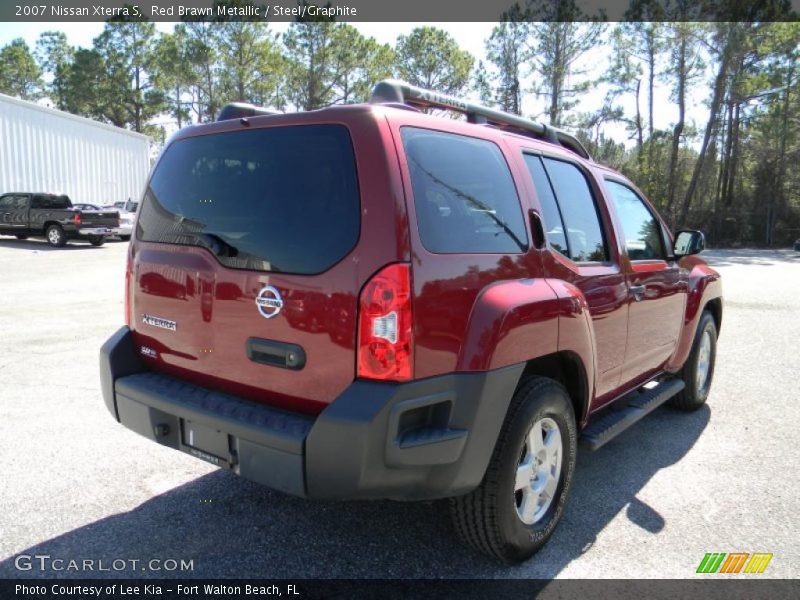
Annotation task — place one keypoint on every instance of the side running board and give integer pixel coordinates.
(637, 405)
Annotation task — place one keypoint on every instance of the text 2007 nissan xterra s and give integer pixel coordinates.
(367, 301)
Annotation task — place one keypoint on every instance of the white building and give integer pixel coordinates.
(47, 150)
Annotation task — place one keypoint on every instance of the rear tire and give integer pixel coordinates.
(97, 240)
(55, 236)
(517, 506)
(698, 371)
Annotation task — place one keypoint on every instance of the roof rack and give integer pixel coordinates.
(241, 110)
(392, 91)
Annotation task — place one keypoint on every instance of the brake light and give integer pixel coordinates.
(128, 269)
(76, 218)
(385, 336)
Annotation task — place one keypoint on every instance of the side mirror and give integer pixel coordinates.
(689, 241)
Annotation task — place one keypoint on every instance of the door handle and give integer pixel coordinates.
(637, 291)
(537, 229)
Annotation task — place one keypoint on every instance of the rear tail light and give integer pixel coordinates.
(128, 275)
(385, 338)
(76, 218)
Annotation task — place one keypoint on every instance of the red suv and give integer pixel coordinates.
(367, 301)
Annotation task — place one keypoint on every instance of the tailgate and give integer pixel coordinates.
(242, 278)
(94, 218)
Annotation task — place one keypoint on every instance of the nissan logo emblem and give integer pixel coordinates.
(269, 302)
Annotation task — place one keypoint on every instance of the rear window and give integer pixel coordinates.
(464, 196)
(281, 199)
(50, 202)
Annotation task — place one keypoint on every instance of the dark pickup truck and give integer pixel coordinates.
(25, 215)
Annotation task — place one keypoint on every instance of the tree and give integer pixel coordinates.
(507, 51)
(54, 56)
(84, 85)
(362, 63)
(330, 63)
(557, 42)
(624, 75)
(203, 56)
(313, 68)
(686, 67)
(19, 74)
(430, 58)
(130, 97)
(173, 72)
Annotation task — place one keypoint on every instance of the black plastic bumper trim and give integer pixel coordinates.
(360, 446)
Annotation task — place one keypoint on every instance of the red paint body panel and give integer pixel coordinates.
(214, 306)
(472, 312)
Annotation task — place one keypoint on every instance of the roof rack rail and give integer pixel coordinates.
(392, 91)
(241, 110)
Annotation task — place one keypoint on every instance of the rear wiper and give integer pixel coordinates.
(217, 245)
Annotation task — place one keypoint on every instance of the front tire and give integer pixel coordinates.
(517, 506)
(55, 236)
(698, 371)
(97, 240)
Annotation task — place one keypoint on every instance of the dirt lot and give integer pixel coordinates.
(76, 485)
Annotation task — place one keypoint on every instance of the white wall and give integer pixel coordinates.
(46, 150)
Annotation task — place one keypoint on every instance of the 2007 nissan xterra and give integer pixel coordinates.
(367, 301)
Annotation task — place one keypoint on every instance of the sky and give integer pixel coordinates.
(470, 37)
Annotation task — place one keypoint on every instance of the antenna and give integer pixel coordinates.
(392, 91)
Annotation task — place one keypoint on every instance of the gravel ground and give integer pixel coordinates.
(77, 485)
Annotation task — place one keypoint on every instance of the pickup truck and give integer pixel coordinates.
(428, 309)
(55, 218)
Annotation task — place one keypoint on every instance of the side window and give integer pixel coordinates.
(464, 195)
(19, 203)
(553, 223)
(584, 231)
(6, 202)
(60, 202)
(641, 229)
(38, 202)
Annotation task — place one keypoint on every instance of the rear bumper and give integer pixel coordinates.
(87, 231)
(425, 439)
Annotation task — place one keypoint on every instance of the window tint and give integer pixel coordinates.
(464, 196)
(281, 199)
(578, 210)
(641, 230)
(554, 226)
(50, 202)
(17, 202)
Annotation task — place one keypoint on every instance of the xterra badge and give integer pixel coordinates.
(159, 322)
(269, 302)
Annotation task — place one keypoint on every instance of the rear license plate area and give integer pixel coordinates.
(205, 442)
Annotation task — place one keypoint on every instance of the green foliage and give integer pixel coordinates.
(19, 74)
(54, 55)
(732, 175)
(430, 58)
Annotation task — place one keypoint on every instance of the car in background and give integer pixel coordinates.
(127, 215)
(54, 217)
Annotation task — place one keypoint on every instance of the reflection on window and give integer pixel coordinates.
(641, 230)
(464, 196)
(580, 220)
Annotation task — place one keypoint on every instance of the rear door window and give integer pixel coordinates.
(578, 211)
(281, 199)
(464, 196)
